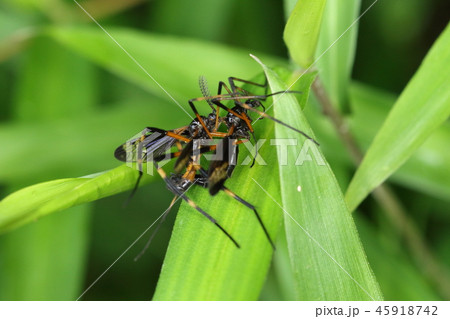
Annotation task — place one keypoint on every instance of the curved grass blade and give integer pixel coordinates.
(164, 57)
(335, 65)
(33, 202)
(326, 254)
(420, 109)
(427, 169)
(302, 30)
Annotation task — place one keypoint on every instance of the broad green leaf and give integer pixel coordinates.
(336, 48)
(201, 262)
(288, 7)
(33, 202)
(303, 86)
(302, 31)
(421, 108)
(174, 62)
(327, 256)
(427, 169)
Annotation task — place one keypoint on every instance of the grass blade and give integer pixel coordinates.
(427, 169)
(421, 108)
(336, 58)
(302, 30)
(33, 202)
(326, 254)
(165, 62)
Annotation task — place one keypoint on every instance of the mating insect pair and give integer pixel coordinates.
(154, 145)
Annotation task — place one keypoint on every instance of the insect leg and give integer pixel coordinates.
(194, 109)
(262, 114)
(170, 134)
(191, 203)
(161, 221)
(242, 201)
(139, 160)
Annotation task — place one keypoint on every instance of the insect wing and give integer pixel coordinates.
(221, 169)
(145, 147)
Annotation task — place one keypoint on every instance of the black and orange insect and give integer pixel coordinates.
(155, 145)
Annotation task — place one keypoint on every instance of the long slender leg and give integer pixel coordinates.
(236, 88)
(262, 114)
(191, 203)
(161, 221)
(170, 134)
(194, 109)
(139, 160)
(244, 202)
(232, 79)
(136, 185)
(245, 119)
(223, 85)
(241, 116)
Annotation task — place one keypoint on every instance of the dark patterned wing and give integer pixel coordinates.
(148, 145)
(222, 167)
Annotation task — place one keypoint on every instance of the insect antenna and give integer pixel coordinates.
(203, 84)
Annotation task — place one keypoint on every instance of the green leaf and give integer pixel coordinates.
(427, 169)
(33, 202)
(326, 254)
(336, 48)
(175, 62)
(302, 31)
(421, 108)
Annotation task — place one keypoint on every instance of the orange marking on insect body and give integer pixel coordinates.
(162, 173)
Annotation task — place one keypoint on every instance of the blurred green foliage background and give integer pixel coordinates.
(62, 115)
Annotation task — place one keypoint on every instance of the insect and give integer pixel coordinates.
(154, 145)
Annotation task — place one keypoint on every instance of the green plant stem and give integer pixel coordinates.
(436, 272)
